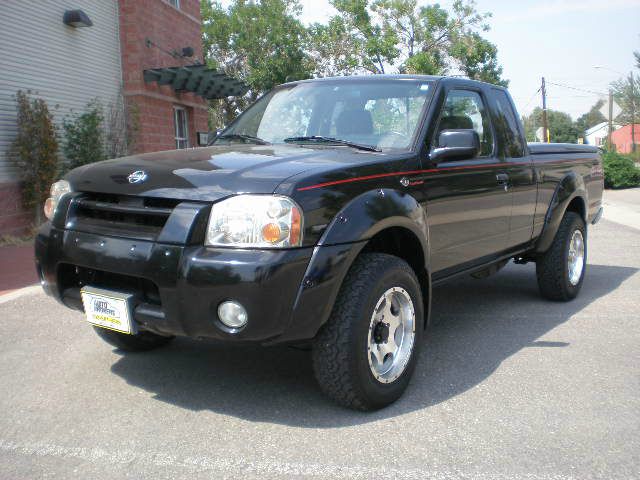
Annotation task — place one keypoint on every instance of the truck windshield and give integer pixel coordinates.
(375, 115)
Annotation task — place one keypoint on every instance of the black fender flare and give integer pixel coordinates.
(374, 211)
(343, 240)
(569, 188)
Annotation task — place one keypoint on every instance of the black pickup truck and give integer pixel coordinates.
(322, 216)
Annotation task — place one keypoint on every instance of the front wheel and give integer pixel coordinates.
(561, 269)
(364, 356)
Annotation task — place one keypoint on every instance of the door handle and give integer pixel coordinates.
(503, 179)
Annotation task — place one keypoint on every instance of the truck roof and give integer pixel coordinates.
(427, 78)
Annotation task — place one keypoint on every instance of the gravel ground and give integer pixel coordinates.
(508, 386)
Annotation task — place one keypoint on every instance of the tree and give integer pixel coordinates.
(333, 49)
(261, 42)
(35, 149)
(264, 43)
(626, 92)
(83, 137)
(384, 36)
(561, 126)
(592, 118)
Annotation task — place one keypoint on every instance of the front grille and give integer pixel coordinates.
(121, 215)
(72, 278)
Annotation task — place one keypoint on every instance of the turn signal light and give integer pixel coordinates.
(296, 227)
(271, 233)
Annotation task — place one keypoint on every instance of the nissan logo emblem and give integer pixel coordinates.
(138, 176)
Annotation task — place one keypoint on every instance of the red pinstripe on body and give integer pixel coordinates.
(417, 172)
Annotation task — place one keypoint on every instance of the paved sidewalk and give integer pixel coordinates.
(623, 206)
(17, 268)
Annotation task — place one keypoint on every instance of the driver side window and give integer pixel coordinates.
(464, 109)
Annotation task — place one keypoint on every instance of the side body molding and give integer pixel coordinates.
(570, 187)
(345, 237)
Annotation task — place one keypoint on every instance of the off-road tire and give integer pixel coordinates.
(340, 355)
(140, 342)
(552, 270)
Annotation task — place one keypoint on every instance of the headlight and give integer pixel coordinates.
(58, 190)
(270, 221)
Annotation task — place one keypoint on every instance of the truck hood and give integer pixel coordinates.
(209, 173)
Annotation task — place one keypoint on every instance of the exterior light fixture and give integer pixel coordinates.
(76, 18)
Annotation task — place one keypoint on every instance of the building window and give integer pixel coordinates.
(182, 132)
(175, 3)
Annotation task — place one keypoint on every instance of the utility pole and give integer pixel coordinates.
(545, 125)
(633, 112)
(609, 144)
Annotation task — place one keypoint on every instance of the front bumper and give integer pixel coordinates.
(287, 293)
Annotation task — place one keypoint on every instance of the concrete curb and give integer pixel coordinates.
(32, 290)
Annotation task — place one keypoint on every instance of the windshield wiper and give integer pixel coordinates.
(336, 141)
(241, 136)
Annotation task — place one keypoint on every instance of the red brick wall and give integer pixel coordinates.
(621, 138)
(171, 29)
(13, 218)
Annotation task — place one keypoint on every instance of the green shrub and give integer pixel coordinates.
(36, 151)
(84, 137)
(620, 171)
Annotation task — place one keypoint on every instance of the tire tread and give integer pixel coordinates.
(331, 353)
(550, 266)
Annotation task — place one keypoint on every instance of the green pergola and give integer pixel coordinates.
(198, 79)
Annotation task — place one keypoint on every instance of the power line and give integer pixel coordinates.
(531, 99)
(576, 88)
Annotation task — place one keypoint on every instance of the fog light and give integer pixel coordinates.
(232, 314)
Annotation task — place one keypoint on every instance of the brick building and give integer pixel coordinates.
(621, 138)
(148, 30)
(146, 53)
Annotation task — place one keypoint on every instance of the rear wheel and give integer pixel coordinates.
(561, 269)
(140, 342)
(363, 358)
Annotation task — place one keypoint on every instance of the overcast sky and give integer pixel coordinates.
(560, 39)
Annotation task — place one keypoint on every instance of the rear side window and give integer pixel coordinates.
(513, 143)
(464, 109)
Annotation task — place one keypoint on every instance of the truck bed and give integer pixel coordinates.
(536, 148)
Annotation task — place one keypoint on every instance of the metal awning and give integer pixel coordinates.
(199, 79)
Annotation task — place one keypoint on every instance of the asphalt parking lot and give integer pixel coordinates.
(508, 386)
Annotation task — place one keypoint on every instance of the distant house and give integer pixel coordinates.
(621, 138)
(597, 135)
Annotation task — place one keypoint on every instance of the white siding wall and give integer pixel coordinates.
(66, 66)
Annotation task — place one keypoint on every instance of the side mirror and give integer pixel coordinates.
(456, 145)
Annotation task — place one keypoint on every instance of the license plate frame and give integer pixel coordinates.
(109, 309)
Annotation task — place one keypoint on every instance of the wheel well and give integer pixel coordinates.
(403, 243)
(577, 205)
